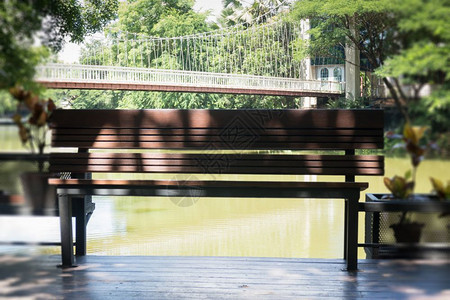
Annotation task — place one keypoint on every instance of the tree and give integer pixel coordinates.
(52, 21)
(406, 41)
(148, 17)
(259, 11)
(230, 13)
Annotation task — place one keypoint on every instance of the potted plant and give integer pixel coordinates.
(34, 135)
(442, 192)
(405, 230)
(402, 188)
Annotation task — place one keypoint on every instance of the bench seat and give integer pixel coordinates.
(205, 183)
(206, 188)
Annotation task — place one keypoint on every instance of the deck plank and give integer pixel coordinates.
(175, 277)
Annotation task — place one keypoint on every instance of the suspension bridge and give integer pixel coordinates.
(261, 59)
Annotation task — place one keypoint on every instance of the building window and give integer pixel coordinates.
(324, 74)
(337, 74)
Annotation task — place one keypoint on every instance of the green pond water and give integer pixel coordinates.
(308, 228)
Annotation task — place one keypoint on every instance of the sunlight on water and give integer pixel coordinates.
(222, 227)
(210, 226)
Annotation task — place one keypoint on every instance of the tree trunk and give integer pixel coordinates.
(398, 103)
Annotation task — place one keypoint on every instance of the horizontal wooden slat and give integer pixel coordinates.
(220, 160)
(243, 160)
(216, 139)
(214, 169)
(207, 183)
(213, 131)
(206, 145)
(241, 156)
(173, 118)
(224, 163)
(217, 163)
(218, 169)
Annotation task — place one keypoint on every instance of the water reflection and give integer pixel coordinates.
(221, 227)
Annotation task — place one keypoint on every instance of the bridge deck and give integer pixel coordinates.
(179, 88)
(60, 76)
(153, 277)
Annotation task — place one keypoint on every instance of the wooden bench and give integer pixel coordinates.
(215, 142)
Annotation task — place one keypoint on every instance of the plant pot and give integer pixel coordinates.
(38, 194)
(407, 232)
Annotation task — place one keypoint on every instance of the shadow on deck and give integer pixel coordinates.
(155, 277)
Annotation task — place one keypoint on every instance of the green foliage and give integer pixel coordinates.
(86, 99)
(54, 20)
(344, 103)
(140, 100)
(7, 103)
(179, 24)
(420, 60)
(399, 186)
(442, 142)
(17, 62)
(242, 12)
(143, 16)
(433, 110)
(230, 13)
(91, 99)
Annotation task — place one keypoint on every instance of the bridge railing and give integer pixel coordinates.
(126, 75)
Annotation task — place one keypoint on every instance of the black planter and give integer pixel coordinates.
(407, 232)
(379, 223)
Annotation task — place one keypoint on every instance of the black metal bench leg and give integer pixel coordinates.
(80, 233)
(352, 233)
(65, 217)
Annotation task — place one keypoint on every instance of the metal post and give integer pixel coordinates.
(80, 221)
(65, 217)
(352, 232)
(348, 178)
(80, 233)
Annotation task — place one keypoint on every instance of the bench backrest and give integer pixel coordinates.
(216, 141)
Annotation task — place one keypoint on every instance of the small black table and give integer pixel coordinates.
(377, 203)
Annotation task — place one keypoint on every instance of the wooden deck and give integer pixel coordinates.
(154, 277)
